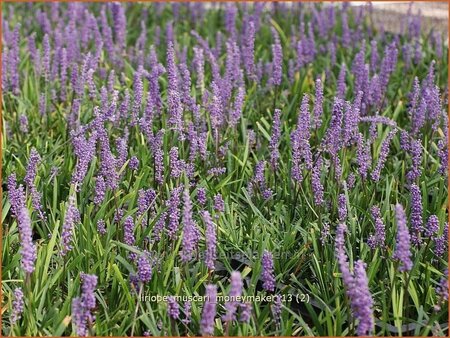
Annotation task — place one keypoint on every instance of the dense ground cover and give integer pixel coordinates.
(291, 152)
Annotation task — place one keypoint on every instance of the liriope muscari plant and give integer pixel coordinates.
(236, 169)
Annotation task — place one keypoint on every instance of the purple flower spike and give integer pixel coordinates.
(356, 285)
(432, 227)
(276, 309)
(219, 204)
(209, 311)
(71, 218)
(85, 151)
(174, 211)
(237, 106)
(249, 50)
(187, 313)
(275, 139)
(376, 173)
(201, 196)
(28, 248)
(341, 256)
(277, 60)
(144, 268)
(176, 165)
(342, 207)
(301, 149)
(173, 95)
(235, 291)
(16, 195)
(416, 155)
(362, 302)
(246, 312)
(100, 190)
(441, 242)
(128, 231)
(133, 164)
(318, 104)
(316, 185)
(172, 308)
(191, 234)
(83, 306)
(101, 227)
(14, 60)
(29, 179)
(32, 167)
(402, 248)
(363, 156)
(23, 123)
(378, 239)
(442, 291)
(416, 215)
(17, 306)
(341, 86)
(211, 240)
(268, 276)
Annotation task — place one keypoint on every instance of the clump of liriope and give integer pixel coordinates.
(167, 144)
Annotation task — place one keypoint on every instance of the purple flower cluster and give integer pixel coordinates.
(276, 309)
(316, 185)
(100, 190)
(145, 200)
(101, 227)
(133, 164)
(275, 139)
(403, 246)
(144, 268)
(209, 311)
(219, 204)
(71, 218)
(155, 114)
(267, 275)
(363, 156)
(362, 303)
(16, 195)
(85, 151)
(277, 59)
(211, 240)
(441, 242)
(174, 98)
(201, 196)
(29, 179)
(432, 226)
(416, 215)
(384, 151)
(28, 250)
(174, 211)
(235, 292)
(356, 286)
(83, 306)
(20, 212)
(191, 233)
(342, 207)
(442, 291)
(258, 183)
(128, 231)
(301, 149)
(23, 120)
(17, 305)
(187, 313)
(318, 104)
(377, 239)
(415, 149)
(172, 308)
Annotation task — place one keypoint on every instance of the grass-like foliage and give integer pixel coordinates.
(222, 169)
